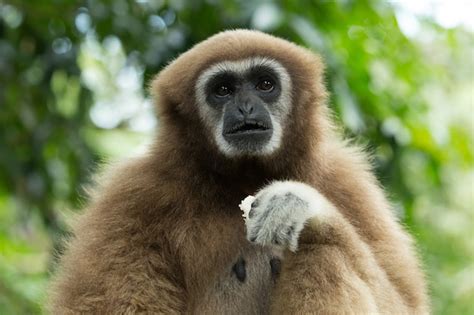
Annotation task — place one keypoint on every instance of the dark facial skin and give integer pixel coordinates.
(246, 101)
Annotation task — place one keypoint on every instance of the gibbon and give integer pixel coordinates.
(242, 113)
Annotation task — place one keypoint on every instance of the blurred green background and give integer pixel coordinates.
(72, 78)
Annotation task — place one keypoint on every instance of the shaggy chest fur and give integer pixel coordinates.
(235, 277)
(244, 286)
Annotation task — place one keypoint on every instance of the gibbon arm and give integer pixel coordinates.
(114, 270)
(336, 272)
(327, 266)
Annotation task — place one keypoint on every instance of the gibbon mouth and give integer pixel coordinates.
(248, 127)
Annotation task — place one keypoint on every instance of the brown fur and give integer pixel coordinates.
(163, 231)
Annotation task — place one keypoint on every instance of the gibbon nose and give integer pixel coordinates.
(245, 109)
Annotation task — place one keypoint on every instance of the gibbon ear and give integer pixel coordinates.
(162, 100)
(170, 91)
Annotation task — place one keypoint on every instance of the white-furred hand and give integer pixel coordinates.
(280, 210)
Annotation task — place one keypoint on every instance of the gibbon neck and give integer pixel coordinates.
(195, 155)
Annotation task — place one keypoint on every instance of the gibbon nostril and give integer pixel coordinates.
(239, 269)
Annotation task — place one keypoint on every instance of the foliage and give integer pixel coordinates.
(71, 96)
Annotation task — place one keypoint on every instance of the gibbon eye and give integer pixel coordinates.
(265, 85)
(223, 90)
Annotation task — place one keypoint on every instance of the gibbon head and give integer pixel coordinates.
(244, 102)
(248, 94)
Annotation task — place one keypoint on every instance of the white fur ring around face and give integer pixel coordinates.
(245, 205)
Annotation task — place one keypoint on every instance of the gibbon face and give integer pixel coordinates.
(244, 94)
(244, 103)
